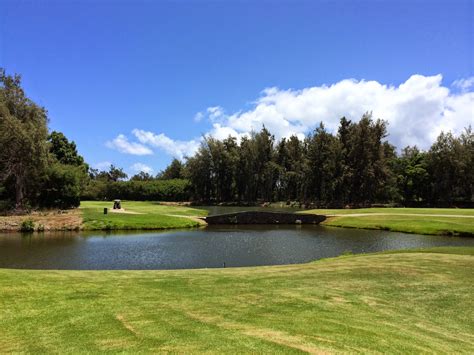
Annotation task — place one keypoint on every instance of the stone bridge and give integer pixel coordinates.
(261, 217)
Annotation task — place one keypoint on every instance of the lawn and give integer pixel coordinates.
(399, 303)
(139, 215)
(441, 221)
(400, 210)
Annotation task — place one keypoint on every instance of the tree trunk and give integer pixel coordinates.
(19, 192)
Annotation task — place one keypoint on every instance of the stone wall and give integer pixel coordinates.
(260, 217)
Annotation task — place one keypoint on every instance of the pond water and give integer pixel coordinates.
(209, 247)
(215, 210)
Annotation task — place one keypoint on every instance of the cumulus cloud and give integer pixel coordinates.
(177, 149)
(417, 111)
(138, 167)
(123, 145)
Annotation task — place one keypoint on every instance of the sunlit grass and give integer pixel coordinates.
(395, 303)
(139, 215)
(442, 221)
(402, 210)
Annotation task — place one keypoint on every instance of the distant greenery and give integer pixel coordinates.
(355, 167)
(436, 221)
(405, 302)
(139, 215)
(152, 190)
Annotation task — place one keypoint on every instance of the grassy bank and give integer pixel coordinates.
(401, 302)
(438, 221)
(138, 215)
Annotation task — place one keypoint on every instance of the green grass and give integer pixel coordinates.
(396, 303)
(437, 221)
(148, 215)
(405, 210)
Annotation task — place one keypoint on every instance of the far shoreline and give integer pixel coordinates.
(159, 216)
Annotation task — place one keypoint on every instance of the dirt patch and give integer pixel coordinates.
(123, 211)
(44, 220)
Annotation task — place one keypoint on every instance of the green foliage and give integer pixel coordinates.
(451, 167)
(36, 169)
(62, 186)
(23, 134)
(142, 176)
(63, 150)
(173, 171)
(27, 226)
(155, 190)
(356, 167)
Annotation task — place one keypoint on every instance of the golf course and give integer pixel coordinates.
(406, 302)
(149, 215)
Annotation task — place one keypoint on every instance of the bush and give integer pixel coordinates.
(154, 190)
(62, 186)
(27, 226)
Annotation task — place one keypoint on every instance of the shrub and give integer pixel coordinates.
(63, 185)
(27, 226)
(154, 190)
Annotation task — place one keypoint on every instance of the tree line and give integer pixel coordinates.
(355, 166)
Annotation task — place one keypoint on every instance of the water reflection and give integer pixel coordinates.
(206, 247)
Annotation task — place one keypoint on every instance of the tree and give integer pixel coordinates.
(173, 171)
(413, 179)
(64, 151)
(142, 176)
(321, 166)
(62, 186)
(450, 165)
(23, 134)
(198, 171)
(116, 174)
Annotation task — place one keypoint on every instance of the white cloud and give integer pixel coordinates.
(417, 111)
(177, 149)
(198, 117)
(464, 84)
(103, 165)
(122, 144)
(215, 112)
(138, 167)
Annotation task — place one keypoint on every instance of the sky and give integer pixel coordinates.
(136, 83)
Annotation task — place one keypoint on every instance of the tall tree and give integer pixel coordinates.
(172, 171)
(23, 134)
(116, 174)
(64, 150)
(321, 166)
(413, 179)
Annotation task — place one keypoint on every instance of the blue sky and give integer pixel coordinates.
(140, 81)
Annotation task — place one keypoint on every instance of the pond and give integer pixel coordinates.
(209, 247)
